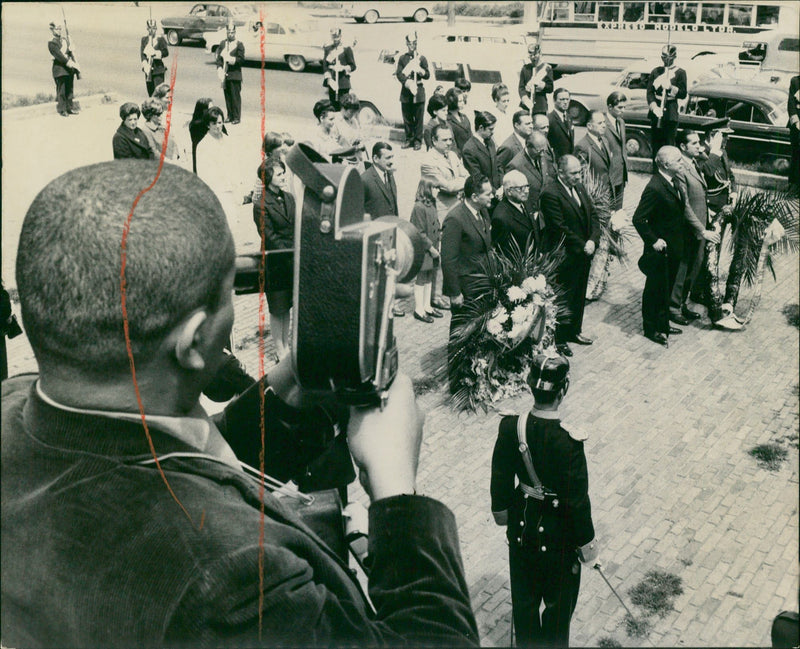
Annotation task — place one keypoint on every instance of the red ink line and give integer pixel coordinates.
(261, 327)
(124, 297)
(202, 520)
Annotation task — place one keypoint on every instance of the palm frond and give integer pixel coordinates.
(599, 191)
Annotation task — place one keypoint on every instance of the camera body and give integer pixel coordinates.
(346, 267)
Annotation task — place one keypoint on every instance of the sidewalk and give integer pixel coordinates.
(672, 484)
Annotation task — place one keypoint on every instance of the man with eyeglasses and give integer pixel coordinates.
(512, 221)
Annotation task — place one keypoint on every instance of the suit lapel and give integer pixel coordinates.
(577, 209)
(483, 232)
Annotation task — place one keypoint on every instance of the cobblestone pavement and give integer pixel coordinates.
(672, 483)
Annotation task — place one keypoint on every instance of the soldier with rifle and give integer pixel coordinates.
(153, 50)
(666, 85)
(535, 82)
(65, 69)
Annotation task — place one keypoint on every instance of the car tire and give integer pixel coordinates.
(295, 62)
(578, 113)
(371, 17)
(420, 15)
(173, 37)
(369, 115)
(359, 19)
(637, 145)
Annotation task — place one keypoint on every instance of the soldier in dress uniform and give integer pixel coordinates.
(535, 82)
(412, 70)
(65, 69)
(717, 168)
(230, 56)
(540, 492)
(338, 63)
(153, 50)
(666, 85)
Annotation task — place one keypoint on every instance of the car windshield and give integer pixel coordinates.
(243, 10)
(306, 26)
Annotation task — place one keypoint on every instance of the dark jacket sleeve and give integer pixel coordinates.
(680, 81)
(469, 157)
(648, 204)
(524, 77)
(350, 59)
(56, 53)
(548, 81)
(575, 492)
(503, 481)
(451, 247)
(551, 210)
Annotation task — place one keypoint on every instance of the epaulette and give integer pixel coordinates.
(578, 434)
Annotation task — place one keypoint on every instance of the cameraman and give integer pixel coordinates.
(101, 545)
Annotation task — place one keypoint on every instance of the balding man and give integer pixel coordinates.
(137, 499)
(535, 163)
(659, 219)
(569, 213)
(512, 220)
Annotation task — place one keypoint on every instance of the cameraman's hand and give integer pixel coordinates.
(385, 443)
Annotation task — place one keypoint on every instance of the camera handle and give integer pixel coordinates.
(383, 333)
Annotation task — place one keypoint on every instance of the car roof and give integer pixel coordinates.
(761, 93)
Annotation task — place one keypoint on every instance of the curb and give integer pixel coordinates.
(49, 108)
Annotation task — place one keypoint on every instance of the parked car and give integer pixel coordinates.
(758, 118)
(204, 17)
(298, 44)
(589, 90)
(371, 12)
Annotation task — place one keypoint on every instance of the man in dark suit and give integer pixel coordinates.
(511, 219)
(338, 63)
(666, 85)
(65, 69)
(380, 188)
(230, 56)
(593, 151)
(535, 82)
(693, 186)
(569, 213)
(152, 51)
(615, 141)
(793, 108)
(480, 151)
(659, 220)
(515, 143)
(537, 167)
(412, 70)
(561, 134)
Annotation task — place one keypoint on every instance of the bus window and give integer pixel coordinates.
(632, 12)
(608, 11)
(636, 80)
(447, 72)
(557, 11)
(767, 15)
(740, 15)
(584, 12)
(659, 12)
(712, 13)
(752, 51)
(686, 13)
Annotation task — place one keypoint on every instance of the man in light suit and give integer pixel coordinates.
(694, 187)
(593, 151)
(480, 151)
(536, 166)
(615, 141)
(443, 167)
(569, 213)
(380, 188)
(515, 143)
(562, 133)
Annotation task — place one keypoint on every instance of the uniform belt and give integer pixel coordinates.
(533, 492)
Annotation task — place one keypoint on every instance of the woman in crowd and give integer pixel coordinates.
(273, 213)
(197, 126)
(275, 144)
(350, 132)
(501, 96)
(129, 141)
(437, 109)
(163, 93)
(218, 162)
(459, 122)
(425, 219)
(152, 111)
(327, 139)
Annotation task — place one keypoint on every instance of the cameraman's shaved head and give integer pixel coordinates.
(179, 250)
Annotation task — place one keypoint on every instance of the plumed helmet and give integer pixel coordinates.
(411, 37)
(548, 373)
(151, 23)
(669, 52)
(534, 48)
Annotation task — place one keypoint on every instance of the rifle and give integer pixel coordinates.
(664, 91)
(149, 73)
(69, 45)
(223, 71)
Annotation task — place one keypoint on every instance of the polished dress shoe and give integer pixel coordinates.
(661, 339)
(675, 330)
(417, 145)
(678, 319)
(689, 314)
(440, 304)
(423, 318)
(63, 113)
(582, 340)
(435, 313)
(564, 350)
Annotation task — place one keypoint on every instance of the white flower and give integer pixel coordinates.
(516, 294)
(520, 314)
(535, 284)
(516, 331)
(499, 313)
(618, 220)
(495, 328)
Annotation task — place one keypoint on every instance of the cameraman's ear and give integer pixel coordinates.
(188, 342)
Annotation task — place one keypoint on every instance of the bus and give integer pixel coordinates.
(609, 35)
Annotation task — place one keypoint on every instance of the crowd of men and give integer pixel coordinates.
(184, 564)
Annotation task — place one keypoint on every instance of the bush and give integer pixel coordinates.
(481, 10)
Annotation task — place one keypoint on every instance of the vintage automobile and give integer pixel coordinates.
(758, 118)
(589, 90)
(298, 43)
(205, 17)
(371, 12)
